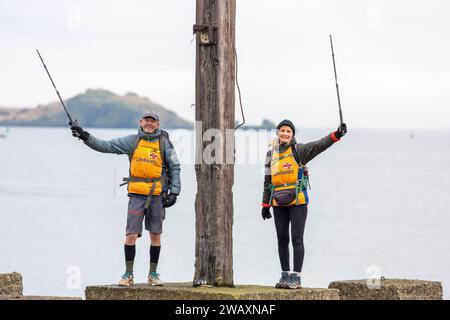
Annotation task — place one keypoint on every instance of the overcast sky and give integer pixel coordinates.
(393, 57)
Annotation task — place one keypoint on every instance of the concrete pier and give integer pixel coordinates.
(185, 291)
(11, 284)
(388, 289)
(11, 288)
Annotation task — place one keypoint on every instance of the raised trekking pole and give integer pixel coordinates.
(71, 122)
(335, 78)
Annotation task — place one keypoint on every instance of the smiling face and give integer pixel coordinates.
(149, 124)
(285, 134)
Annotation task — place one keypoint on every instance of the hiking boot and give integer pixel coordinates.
(127, 280)
(282, 283)
(154, 280)
(294, 281)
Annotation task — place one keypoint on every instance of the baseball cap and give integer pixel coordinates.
(151, 115)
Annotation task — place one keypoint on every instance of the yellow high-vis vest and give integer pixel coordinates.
(287, 174)
(146, 165)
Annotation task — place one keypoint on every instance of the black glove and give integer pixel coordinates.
(169, 200)
(341, 131)
(78, 132)
(265, 213)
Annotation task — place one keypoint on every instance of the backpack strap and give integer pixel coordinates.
(134, 147)
(162, 146)
(295, 154)
(164, 142)
(304, 180)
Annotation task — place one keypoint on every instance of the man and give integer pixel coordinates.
(154, 171)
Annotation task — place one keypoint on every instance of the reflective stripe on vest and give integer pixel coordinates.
(146, 165)
(286, 174)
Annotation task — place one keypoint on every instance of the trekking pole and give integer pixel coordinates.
(335, 78)
(71, 122)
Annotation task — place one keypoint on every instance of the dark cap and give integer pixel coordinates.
(151, 115)
(287, 123)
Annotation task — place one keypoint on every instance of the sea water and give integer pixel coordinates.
(379, 206)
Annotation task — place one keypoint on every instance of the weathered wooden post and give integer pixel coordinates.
(215, 83)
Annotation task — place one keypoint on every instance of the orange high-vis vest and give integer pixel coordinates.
(287, 174)
(146, 163)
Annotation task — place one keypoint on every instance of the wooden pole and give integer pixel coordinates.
(214, 109)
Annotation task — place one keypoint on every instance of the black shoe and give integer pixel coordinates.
(294, 281)
(282, 283)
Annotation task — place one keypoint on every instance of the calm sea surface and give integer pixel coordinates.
(379, 205)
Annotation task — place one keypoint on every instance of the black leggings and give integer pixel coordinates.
(296, 215)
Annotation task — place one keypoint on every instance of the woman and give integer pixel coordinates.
(285, 189)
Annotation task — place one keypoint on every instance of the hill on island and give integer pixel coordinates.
(94, 109)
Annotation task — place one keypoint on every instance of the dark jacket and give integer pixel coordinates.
(305, 153)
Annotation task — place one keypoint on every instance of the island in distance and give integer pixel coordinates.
(100, 108)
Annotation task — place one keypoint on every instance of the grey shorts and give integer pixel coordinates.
(153, 219)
